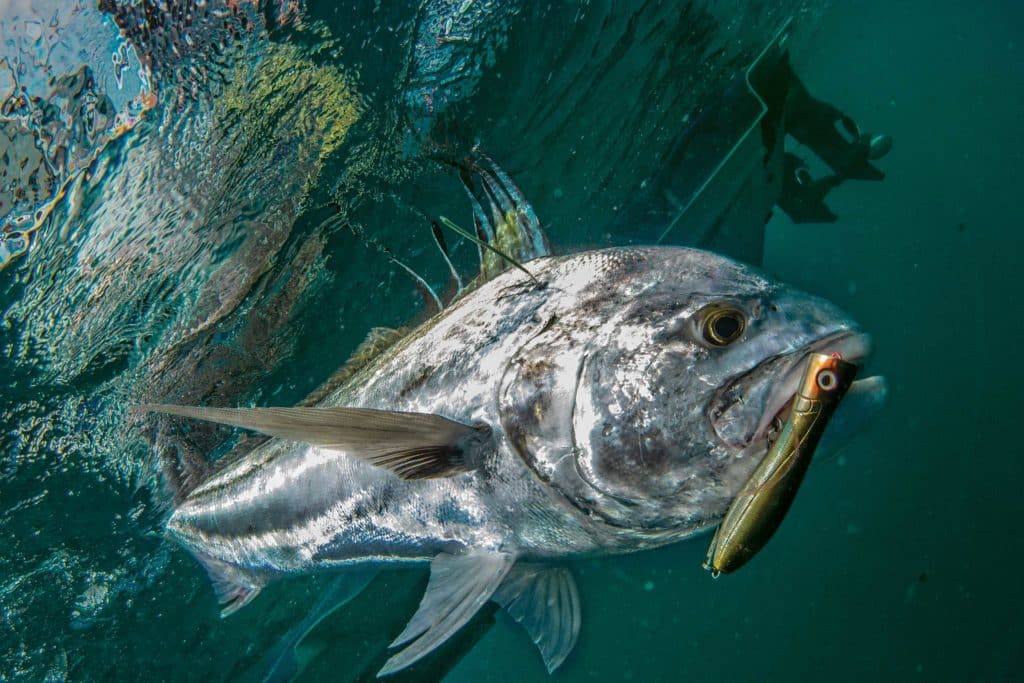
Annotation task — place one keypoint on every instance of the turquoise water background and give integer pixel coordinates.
(899, 561)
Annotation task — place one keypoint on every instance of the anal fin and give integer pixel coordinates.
(545, 601)
(459, 586)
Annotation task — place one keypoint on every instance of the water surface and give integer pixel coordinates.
(199, 221)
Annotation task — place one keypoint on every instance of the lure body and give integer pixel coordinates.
(762, 504)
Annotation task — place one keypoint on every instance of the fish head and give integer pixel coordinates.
(678, 391)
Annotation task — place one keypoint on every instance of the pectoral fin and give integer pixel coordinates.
(545, 601)
(412, 445)
(459, 586)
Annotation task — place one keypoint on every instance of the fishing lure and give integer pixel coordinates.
(759, 508)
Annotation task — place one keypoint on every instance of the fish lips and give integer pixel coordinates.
(743, 412)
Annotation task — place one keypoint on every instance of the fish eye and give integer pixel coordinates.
(721, 325)
(827, 380)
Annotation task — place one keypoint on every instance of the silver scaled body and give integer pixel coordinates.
(613, 427)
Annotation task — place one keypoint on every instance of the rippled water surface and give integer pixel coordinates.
(202, 202)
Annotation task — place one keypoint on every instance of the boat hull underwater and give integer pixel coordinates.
(594, 403)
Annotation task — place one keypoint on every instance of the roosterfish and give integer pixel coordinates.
(591, 403)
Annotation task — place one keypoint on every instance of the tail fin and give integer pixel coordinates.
(234, 588)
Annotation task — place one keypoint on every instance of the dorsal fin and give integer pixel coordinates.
(490, 248)
(442, 244)
(430, 297)
(522, 235)
(508, 223)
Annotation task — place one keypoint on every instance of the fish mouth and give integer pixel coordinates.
(771, 384)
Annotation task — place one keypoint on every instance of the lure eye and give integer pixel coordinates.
(722, 325)
(827, 380)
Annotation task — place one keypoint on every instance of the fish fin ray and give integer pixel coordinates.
(545, 602)
(517, 215)
(411, 445)
(453, 272)
(459, 586)
(234, 588)
(509, 225)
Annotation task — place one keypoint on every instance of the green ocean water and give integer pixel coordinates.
(194, 265)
